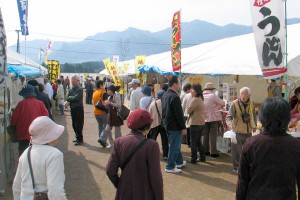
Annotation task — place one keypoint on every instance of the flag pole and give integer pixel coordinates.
(286, 53)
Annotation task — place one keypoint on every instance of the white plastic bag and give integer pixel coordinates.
(231, 135)
(222, 144)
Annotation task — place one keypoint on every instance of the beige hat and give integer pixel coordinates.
(209, 86)
(43, 130)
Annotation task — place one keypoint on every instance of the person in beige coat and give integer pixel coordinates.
(196, 120)
(157, 127)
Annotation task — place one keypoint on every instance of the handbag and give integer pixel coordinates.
(37, 195)
(12, 132)
(123, 112)
(99, 105)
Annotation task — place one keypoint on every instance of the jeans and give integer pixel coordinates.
(196, 143)
(61, 109)
(77, 116)
(108, 131)
(174, 157)
(101, 120)
(153, 133)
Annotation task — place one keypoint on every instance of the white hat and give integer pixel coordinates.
(43, 130)
(135, 80)
(209, 86)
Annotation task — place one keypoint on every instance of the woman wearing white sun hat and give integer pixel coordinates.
(46, 163)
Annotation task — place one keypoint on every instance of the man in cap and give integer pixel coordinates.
(136, 94)
(25, 112)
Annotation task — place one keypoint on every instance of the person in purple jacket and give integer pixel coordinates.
(270, 162)
(141, 176)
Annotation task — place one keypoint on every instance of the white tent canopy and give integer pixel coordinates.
(235, 56)
(15, 58)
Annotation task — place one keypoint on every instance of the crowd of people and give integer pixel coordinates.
(264, 162)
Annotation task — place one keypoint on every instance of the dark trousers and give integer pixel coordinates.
(236, 149)
(153, 133)
(77, 122)
(196, 144)
(210, 134)
(88, 97)
(23, 144)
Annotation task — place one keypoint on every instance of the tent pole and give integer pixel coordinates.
(286, 54)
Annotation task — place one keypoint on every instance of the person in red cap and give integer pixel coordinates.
(139, 160)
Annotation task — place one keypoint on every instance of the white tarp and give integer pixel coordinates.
(232, 56)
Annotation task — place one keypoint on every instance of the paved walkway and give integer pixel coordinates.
(86, 178)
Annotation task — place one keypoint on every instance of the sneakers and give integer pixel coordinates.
(78, 143)
(235, 170)
(109, 146)
(102, 143)
(175, 170)
(180, 166)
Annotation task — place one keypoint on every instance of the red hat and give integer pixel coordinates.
(139, 118)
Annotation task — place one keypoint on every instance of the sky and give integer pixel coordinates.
(77, 19)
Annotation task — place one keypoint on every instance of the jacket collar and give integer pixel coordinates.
(171, 90)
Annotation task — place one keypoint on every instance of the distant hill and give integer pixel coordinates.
(132, 41)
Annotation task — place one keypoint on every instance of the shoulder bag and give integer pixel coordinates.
(124, 164)
(161, 121)
(99, 104)
(123, 112)
(37, 195)
(12, 132)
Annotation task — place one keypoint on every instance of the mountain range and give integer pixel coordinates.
(132, 41)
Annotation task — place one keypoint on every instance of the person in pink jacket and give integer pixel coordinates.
(212, 106)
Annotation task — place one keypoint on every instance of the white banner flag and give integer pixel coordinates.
(269, 32)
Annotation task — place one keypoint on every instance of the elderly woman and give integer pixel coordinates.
(195, 112)
(212, 106)
(114, 104)
(46, 163)
(241, 119)
(270, 161)
(139, 160)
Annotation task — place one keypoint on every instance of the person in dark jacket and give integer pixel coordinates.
(77, 114)
(173, 121)
(40, 95)
(270, 162)
(89, 91)
(141, 177)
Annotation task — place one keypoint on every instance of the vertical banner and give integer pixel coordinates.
(3, 48)
(48, 50)
(53, 70)
(269, 32)
(105, 62)
(113, 72)
(176, 42)
(23, 14)
(139, 61)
